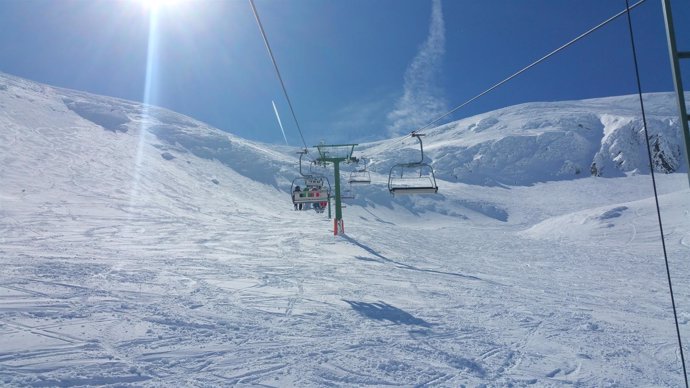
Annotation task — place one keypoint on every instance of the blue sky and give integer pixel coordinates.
(356, 70)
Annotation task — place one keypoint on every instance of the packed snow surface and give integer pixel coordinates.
(140, 247)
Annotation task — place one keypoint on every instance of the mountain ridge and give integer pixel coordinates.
(546, 141)
(518, 145)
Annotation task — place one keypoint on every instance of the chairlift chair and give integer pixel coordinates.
(414, 177)
(360, 176)
(316, 168)
(314, 188)
(347, 193)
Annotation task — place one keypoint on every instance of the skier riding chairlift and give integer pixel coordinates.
(297, 205)
(318, 206)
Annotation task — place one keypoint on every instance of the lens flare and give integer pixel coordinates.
(150, 97)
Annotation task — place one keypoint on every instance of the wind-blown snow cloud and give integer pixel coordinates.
(422, 99)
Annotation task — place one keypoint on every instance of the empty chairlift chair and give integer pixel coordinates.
(414, 177)
(347, 193)
(360, 176)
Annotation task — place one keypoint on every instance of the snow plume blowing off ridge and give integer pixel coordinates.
(422, 99)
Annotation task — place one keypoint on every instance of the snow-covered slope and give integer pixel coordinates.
(53, 111)
(539, 142)
(140, 247)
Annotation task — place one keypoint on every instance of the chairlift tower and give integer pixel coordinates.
(336, 153)
(676, 56)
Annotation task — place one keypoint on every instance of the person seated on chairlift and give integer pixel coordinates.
(314, 193)
(321, 205)
(297, 205)
(316, 205)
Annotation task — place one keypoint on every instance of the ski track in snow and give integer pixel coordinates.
(125, 270)
(269, 303)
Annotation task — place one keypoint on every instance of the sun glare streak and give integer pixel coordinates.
(150, 98)
(151, 59)
(158, 13)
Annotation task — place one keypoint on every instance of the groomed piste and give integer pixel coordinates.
(140, 247)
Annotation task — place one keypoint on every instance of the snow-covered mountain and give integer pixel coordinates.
(539, 142)
(519, 145)
(140, 247)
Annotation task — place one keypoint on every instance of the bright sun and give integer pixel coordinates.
(155, 4)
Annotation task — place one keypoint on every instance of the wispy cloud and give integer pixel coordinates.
(362, 119)
(422, 99)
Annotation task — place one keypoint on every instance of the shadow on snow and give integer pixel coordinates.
(385, 312)
(403, 265)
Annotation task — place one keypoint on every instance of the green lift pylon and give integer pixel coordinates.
(336, 153)
(676, 56)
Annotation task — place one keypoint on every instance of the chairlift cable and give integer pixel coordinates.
(275, 65)
(524, 69)
(656, 196)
